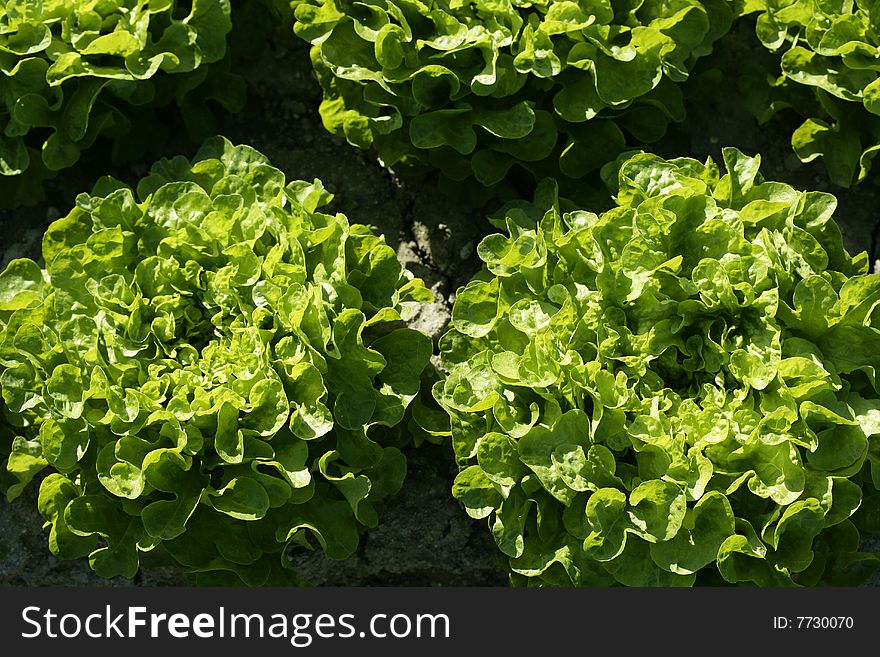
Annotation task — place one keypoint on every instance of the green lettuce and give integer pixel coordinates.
(557, 87)
(681, 390)
(832, 49)
(72, 71)
(209, 368)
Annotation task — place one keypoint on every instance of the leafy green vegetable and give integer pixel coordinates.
(71, 71)
(830, 48)
(211, 367)
(678, 390)
(475, 88)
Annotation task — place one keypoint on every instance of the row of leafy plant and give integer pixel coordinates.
(555, 88)
(679, 390)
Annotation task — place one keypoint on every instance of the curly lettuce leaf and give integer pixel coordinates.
(209, 366)
(681, 388)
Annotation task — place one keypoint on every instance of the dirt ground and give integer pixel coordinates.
(424, 538)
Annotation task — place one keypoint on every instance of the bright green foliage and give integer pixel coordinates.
(472, 88)
(214, 371)
(833, 48)
(69, 70)
(683, 389)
